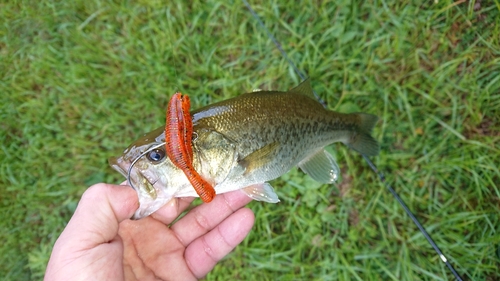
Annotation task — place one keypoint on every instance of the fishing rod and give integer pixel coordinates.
(380, 175)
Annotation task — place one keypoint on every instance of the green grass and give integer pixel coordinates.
(80, 80)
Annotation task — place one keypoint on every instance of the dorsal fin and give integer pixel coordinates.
(304, 88)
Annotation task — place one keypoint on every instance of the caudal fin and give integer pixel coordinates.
(361, 140)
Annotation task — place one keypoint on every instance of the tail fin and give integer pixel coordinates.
(361, 140)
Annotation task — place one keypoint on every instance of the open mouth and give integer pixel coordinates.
(147, 182)
(140, 181)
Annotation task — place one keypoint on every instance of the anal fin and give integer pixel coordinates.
(321, 167)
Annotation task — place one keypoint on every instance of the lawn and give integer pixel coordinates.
(80, 80)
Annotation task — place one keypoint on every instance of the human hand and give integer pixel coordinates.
(101, 243)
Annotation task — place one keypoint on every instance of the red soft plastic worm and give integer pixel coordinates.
(178, 137)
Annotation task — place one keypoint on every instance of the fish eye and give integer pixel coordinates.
(156, 155)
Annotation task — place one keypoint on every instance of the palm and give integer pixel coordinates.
(151, 249)
(192, 246)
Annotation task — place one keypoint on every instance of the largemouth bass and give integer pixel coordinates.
(244, 142)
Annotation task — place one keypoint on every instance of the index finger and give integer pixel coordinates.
(205, 217)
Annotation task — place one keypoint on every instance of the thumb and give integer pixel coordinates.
(99, 212)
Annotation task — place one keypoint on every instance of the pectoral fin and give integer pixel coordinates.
(261, 192)
(259, 157)
(321, 167)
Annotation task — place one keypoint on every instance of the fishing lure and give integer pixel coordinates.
(178, 138)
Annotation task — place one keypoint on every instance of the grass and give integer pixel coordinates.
(80, 80)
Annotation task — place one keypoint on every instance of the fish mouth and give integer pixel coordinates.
(143, 183)
(137, 178)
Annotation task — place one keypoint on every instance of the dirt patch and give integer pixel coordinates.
(353, 217)
(485, 129)
(346, 183)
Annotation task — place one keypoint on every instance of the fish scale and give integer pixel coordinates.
(297, 122)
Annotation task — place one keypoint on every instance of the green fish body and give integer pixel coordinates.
(244, 142)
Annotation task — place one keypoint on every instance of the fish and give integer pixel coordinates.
(244, 142)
